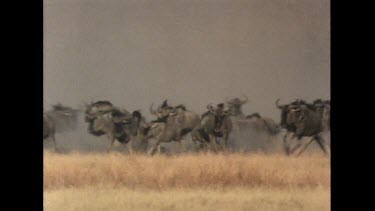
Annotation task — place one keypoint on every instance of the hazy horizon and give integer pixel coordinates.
(134, 53)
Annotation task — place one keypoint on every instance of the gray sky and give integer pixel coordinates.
(194, 52)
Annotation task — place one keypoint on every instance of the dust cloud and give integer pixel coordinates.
(137, 52)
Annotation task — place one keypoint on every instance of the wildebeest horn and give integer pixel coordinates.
(165, 104)
(245, 99)
(152, 111)
(295, 108)
(278, 105)
(154, 125)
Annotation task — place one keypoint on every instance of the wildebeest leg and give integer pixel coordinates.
(322, 144)
(154, 148)
(225, 141)
(182, 145)
(306, 145)
(54, 143)
(286, 145)
(196, 143)
(129, 147)
(111, 145)
(299, 144)
(159, 149)
(199, 142)
(213, 142)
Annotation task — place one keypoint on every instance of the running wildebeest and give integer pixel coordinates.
(65, 117)
(302, 120)
(118, 124)
(150, 130)
(174, 123)
(264, 123)
(215, 123)
(49, 129)
(254, 131)
(254, 121)
(58, 120)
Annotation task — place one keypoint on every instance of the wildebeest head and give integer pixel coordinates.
(99, 116)
(97, 108)
(218, 112)
(294, 113)
(163, 111)
(289, 112)
(235, 105)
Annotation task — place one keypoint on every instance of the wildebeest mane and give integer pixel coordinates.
(165, 104)
(117, 113)
(102, 103)
(256, 114)
(181, 107)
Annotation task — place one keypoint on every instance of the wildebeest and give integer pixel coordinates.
(258, 131)
(253, 121)
(65, 117)
(215, 123)
(58, 120)
(302, 120)
(264, 124)
(49, 129)
(118, 124)
(150, 130)
(174, 123)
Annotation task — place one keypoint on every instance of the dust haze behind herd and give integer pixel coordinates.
(134, 53)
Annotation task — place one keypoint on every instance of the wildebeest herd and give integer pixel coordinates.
(209, 131)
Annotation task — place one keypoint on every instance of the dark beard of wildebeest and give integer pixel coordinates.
(173, 124)
(302, 120)
(117, 124)
(215, 123)
(49, 129)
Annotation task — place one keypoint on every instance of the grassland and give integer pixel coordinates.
(98, 181)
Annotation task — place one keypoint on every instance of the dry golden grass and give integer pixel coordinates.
(100, 181)
(120, 199)
(185, 171)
